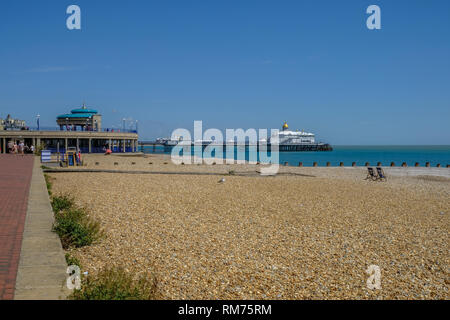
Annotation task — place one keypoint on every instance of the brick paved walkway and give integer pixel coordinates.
(15, 178)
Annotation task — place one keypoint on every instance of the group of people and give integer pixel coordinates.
(19, 148)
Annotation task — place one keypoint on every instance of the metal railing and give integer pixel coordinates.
(42, 128)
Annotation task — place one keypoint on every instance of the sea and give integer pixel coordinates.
(348, 154)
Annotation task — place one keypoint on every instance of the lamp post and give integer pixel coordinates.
(123, 124)
(37, 120)
(136, 126)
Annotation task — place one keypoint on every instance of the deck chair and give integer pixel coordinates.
(371, 174)
(381, 174)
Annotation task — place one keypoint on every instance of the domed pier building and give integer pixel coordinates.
(84, 118)
(289, 140)
(81, 129)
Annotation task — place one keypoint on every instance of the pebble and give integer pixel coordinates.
(319, 232)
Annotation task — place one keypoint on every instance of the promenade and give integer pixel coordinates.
(15, 179)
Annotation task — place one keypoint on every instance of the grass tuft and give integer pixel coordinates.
(38, 149)
(116, 284)
(72, 261)
(48, 182)
(75, 228)
(73, 225)
(61, 203)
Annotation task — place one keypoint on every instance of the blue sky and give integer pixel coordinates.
(234, 64)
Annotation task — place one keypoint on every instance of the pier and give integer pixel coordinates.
(281, 147)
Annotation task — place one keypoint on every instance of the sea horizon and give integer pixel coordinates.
(360, 154)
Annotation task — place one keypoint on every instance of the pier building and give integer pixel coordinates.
(81, 129)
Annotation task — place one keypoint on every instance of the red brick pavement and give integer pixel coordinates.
(15, 178)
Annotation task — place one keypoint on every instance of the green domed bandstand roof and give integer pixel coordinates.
(75, 115)
(82, 112)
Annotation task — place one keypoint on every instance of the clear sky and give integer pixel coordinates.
(234, 64)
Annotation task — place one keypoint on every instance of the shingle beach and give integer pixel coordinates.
(307, 233)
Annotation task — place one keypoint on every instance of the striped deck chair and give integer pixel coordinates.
(381, 174)
(371, 174)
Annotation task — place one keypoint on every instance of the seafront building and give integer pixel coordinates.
(12, 124)
(80, 129)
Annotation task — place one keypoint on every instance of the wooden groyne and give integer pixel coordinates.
(367, 164)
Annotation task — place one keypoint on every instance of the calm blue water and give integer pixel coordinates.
(360, 155)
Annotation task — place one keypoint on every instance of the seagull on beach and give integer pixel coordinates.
(222, 180)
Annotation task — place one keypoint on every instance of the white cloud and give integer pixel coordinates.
(50, 69)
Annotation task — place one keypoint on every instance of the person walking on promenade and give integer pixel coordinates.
(10, 147)
(21, 147)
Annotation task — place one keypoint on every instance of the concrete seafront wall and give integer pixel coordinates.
(42, 267)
